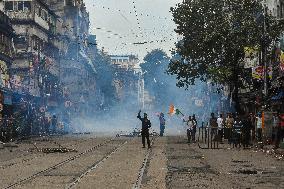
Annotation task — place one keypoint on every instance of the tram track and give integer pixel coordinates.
(28, 157)
(94, 166)
(74, 158)
(142, 171)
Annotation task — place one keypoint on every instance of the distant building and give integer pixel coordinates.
(77, 70)
(125, 61)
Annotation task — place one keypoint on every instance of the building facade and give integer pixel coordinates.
(6, 59)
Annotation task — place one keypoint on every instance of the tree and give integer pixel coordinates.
(215, 33)
(105, 76)
(154, 67)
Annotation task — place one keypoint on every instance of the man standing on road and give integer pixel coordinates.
(189, 124)
(146, 124)
(194, 127)
(213, 125)
(220, 122)
(162, 124)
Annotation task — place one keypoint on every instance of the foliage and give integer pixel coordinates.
(105, 76)
(154, 66)
(215, 33)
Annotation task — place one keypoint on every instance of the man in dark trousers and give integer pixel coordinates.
(146, 124)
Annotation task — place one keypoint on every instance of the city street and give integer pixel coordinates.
(86, 161)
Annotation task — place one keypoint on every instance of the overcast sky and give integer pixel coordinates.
(117, 28)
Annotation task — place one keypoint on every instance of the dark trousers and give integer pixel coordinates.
(188, 132)
(162, 130)
(145, 134)
(220, 134)
(259, 134)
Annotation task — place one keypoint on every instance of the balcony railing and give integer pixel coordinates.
(20, 15)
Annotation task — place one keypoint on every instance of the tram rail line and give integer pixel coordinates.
(58, 165)
(94, 166)
(26, 158)
(143, 169)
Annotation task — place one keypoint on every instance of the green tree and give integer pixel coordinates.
(155, 77)
(105, 76)
(215, 33)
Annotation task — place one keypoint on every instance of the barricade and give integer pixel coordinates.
(208, 137)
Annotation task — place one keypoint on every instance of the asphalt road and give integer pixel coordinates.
(105, 162)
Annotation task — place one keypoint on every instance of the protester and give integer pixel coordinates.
(229, 126)
(146, 124)
(275, 125)
(237, 131)
(259, 127)
(194, 126)
(162, 124)
(252, 122)
(280, 130)
(247, 126)
(213, 125)
(220, 122)
(189, 124)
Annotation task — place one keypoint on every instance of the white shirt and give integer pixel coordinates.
(220, 123)
(259, 122)
(189, 124)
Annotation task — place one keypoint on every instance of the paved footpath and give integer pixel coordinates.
(121, 163)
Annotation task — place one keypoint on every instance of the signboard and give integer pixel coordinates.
(251, 57)
(258, 72)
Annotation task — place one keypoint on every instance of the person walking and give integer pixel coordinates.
(259, 127)
(146, 124)
(162, 124)
(247, 126)
(220, 122)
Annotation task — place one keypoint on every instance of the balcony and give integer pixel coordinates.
(20, 16)
(27, 16)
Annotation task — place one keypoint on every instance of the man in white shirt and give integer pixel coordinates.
(220, 122)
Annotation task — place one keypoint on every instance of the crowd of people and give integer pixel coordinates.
(239, 130)
(246, 129)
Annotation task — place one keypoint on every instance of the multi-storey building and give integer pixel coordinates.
(6, 58)
(127, 79)
(38, 48)
(77, 69)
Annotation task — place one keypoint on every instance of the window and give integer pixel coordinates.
(20, 5)
(27, 6)
(9, 5)
(282, 10)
